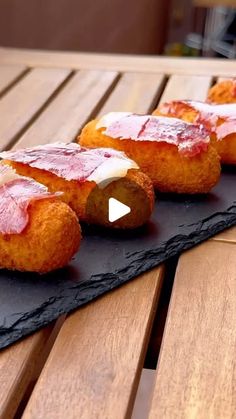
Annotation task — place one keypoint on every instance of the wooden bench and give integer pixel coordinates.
(91, 364)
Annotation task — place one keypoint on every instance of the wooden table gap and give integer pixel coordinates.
(14, 81)
(134, 92)
(157, 331)
(103, 375)
(195, 373)
(73, 106)
(100, 104)
(39, 112)
(40, 364)
(162, 90)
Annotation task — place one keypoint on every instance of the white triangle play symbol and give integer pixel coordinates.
(117, 210)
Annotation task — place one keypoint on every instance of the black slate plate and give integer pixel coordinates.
(109, 258)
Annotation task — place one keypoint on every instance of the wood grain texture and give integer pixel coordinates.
(17, 369)
(70, 110)
(119, 62)
(186, 87)
(8, 74)
(136, 92)
(196, 375)
(25, 99)
(19, 365)
(94, 366)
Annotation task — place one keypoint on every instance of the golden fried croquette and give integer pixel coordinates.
(226, 148)
(91, 202)
(169, 170)
(219, 119)
(48, 242)
(223, 92)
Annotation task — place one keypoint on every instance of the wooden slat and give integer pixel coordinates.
(19, 363)
(196, 371)
(134, 92)
(118, 62)
(186, 87)
(77, 100)
(219, 79)
(17, 369)
(8, 74)
(94, 366)
(25, 99)
(74, 105)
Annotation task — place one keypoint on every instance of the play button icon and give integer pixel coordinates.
(117, 210)
(112, 204)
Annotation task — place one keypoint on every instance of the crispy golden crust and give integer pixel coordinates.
(225, 147)
(168, 169)
(48, 242)
(223, 92)
(134, 190)
(77, 201)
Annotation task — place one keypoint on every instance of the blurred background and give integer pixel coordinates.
(171, 27)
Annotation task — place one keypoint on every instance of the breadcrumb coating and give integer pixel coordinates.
(223, 92)
(168, 169)
(225, 147)
(134, 190)
(50, 239)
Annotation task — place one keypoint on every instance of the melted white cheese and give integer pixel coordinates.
(111, 117)
(113, 168)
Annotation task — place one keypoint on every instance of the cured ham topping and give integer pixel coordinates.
(73, 162)
(190, 139)
(16, 193)
(220, 119)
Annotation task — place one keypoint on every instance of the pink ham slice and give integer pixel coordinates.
(15, 196)
(68, 161)
(220, 119)
(190, 139)
(212, 115)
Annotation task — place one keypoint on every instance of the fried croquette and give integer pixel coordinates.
(220, 120)
(48, 242)
(90, 200)
(223, 92)
(177, 109)
(196, 170)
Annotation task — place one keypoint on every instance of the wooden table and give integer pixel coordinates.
(91, 364)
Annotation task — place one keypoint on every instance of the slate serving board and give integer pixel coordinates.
(109, 258)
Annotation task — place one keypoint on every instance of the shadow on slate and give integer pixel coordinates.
(109, 258)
